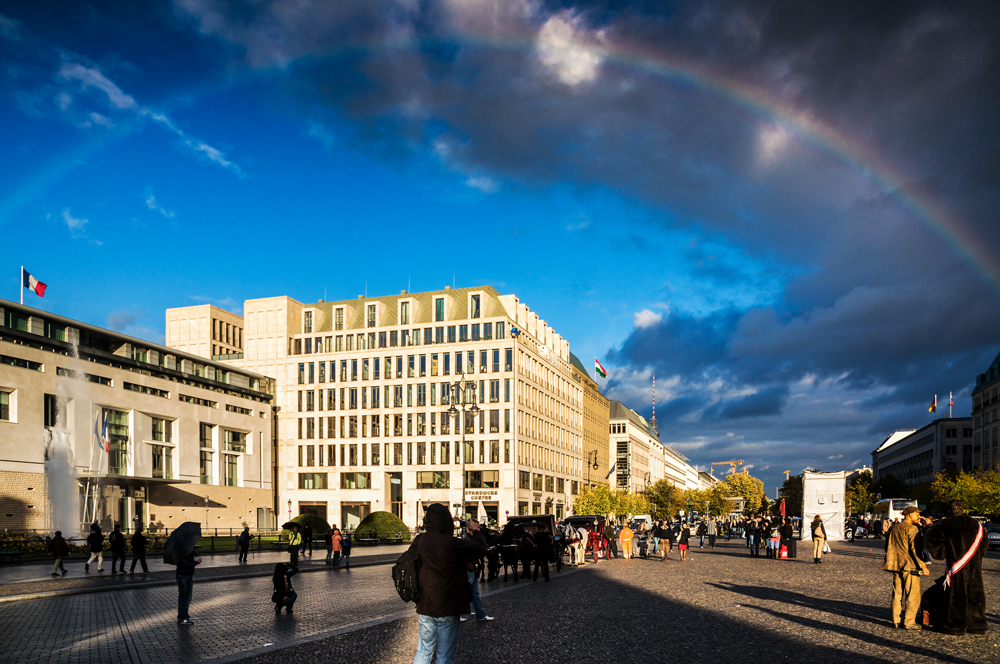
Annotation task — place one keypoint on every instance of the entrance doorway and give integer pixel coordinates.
(395, 482)
(317, 509)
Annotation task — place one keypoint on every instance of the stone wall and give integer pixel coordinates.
(228, 507)
(22, 501)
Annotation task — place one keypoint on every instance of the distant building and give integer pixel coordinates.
(206, 330)
(916, 456)
(985, 420)
(189, 438)
(640, 459)
(596, 427)
(706, 480)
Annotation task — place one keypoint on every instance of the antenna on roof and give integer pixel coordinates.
(407, 283)
(453, 279)
(652, 420)
(366, 289)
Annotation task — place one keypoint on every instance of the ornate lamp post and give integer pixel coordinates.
(459, 389)
(591, 464)
(289, 509)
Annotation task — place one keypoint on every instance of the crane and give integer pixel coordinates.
(732, 464)
(786, 472)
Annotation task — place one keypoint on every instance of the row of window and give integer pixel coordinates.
(399, 338)
(391, 454)
(415, 366)
(226, 333)
(415, 395)
(416, 424)
(475, 311)
(432, 479)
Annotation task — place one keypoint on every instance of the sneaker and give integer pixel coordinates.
(64, 572)
(463, 618)
(86, 567)
(55, 574)
(186, 621)
(912, 627)
(488, 618)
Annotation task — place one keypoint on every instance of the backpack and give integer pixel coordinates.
(406, 574)
(345, 541)
(244, 539)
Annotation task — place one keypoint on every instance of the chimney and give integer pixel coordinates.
(402, 292)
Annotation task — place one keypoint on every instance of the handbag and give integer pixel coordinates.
(784, 551)
(826, 548)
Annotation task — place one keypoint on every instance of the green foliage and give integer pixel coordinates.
(750, 488)
(664, 499)
(317, 523)
(791, 491)
(599, 500)
(979, 491)
(381, 525)
(860, 498)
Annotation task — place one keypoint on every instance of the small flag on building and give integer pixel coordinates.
(951, 400)
(612, 471)
(599, 369)
(102, 435)
(933, 408)
(28, 281)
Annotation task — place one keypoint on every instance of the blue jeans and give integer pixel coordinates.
(439, 632)
(329, 554)
(185, 584)
(477, 601)
(754, 545)
(656, 544)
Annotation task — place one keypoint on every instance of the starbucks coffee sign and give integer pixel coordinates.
(482, 494)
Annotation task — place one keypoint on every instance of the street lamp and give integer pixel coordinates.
(461, 387)
(689, 509)
(591, 465)
(289, 509)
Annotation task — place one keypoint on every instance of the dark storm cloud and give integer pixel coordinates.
(880, 310)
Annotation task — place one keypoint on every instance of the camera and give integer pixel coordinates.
(463, 523)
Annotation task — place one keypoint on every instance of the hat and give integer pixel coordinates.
(910, 510)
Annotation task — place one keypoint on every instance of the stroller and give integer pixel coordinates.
(643, 546)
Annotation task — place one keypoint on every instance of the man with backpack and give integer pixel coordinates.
(345, 549)
(117, 542)
(438, 560)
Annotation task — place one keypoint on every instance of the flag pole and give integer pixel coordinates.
(951, 402)
(20, 282)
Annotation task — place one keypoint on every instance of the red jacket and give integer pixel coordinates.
(58, 548)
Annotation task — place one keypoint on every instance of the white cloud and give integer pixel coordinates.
(75, 225)
(91, 78)
(772, 140)
(563, 51)
(152, 205)
(647, 318)
(483, 183)
(579, 225)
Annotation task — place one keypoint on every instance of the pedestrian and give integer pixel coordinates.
(284, 594)
(58, 549)
(116, 540)
(787, 538)
(702, 531)
(774, 538)
(138, 551)
(625, 536)
(713, 531)
(444, 582)
(307, 539)
(667, 540)
(336, 542)
(244, 543)
(684, 536)
(95, 545)
(294, 542)
(902, 558)
(818, 538)
(609, 536)
(753, 537)
(345, 549)
(185, 586)
(961, 541)
(328, 543)
(543, 554)
(472, 571)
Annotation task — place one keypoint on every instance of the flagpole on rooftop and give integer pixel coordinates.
(20, 282)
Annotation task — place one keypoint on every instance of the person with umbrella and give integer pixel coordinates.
(179, 550)
(294, 542)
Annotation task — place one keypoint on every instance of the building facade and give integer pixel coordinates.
(206, 330)
(916, 456)
(596, 427)
(461, 396)
(985, 424)
(96, 425)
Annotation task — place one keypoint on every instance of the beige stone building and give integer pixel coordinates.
(640, 458)
(206, 330)
(596, 427)
(99, 425)
(366, 390)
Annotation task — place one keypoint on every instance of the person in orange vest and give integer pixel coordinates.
(626, 539)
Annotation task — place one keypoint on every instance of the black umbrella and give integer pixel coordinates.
(181, 542)
(288, 525)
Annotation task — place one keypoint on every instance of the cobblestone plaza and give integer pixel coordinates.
(719, 604)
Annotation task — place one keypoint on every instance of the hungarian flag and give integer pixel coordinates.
(29, 281)
(599, 369)
(933, 408)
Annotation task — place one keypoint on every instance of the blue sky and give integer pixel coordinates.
(794, 311)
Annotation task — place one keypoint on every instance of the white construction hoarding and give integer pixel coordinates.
(823, 494)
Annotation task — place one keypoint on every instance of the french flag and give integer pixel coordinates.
(29, 281)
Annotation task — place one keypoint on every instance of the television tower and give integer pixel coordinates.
(652, 421)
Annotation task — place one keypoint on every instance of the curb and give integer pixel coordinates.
(152, 584)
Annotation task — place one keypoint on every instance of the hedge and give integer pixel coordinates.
(381, 525)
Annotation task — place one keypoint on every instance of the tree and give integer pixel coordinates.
(979, 491)
(859, 498)
(664, 498)
(791, 491)
(599, 500)
(749, 488)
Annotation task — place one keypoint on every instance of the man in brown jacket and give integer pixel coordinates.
(902, 558)
(445, 592)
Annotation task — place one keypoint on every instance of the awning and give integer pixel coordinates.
(126, 481)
